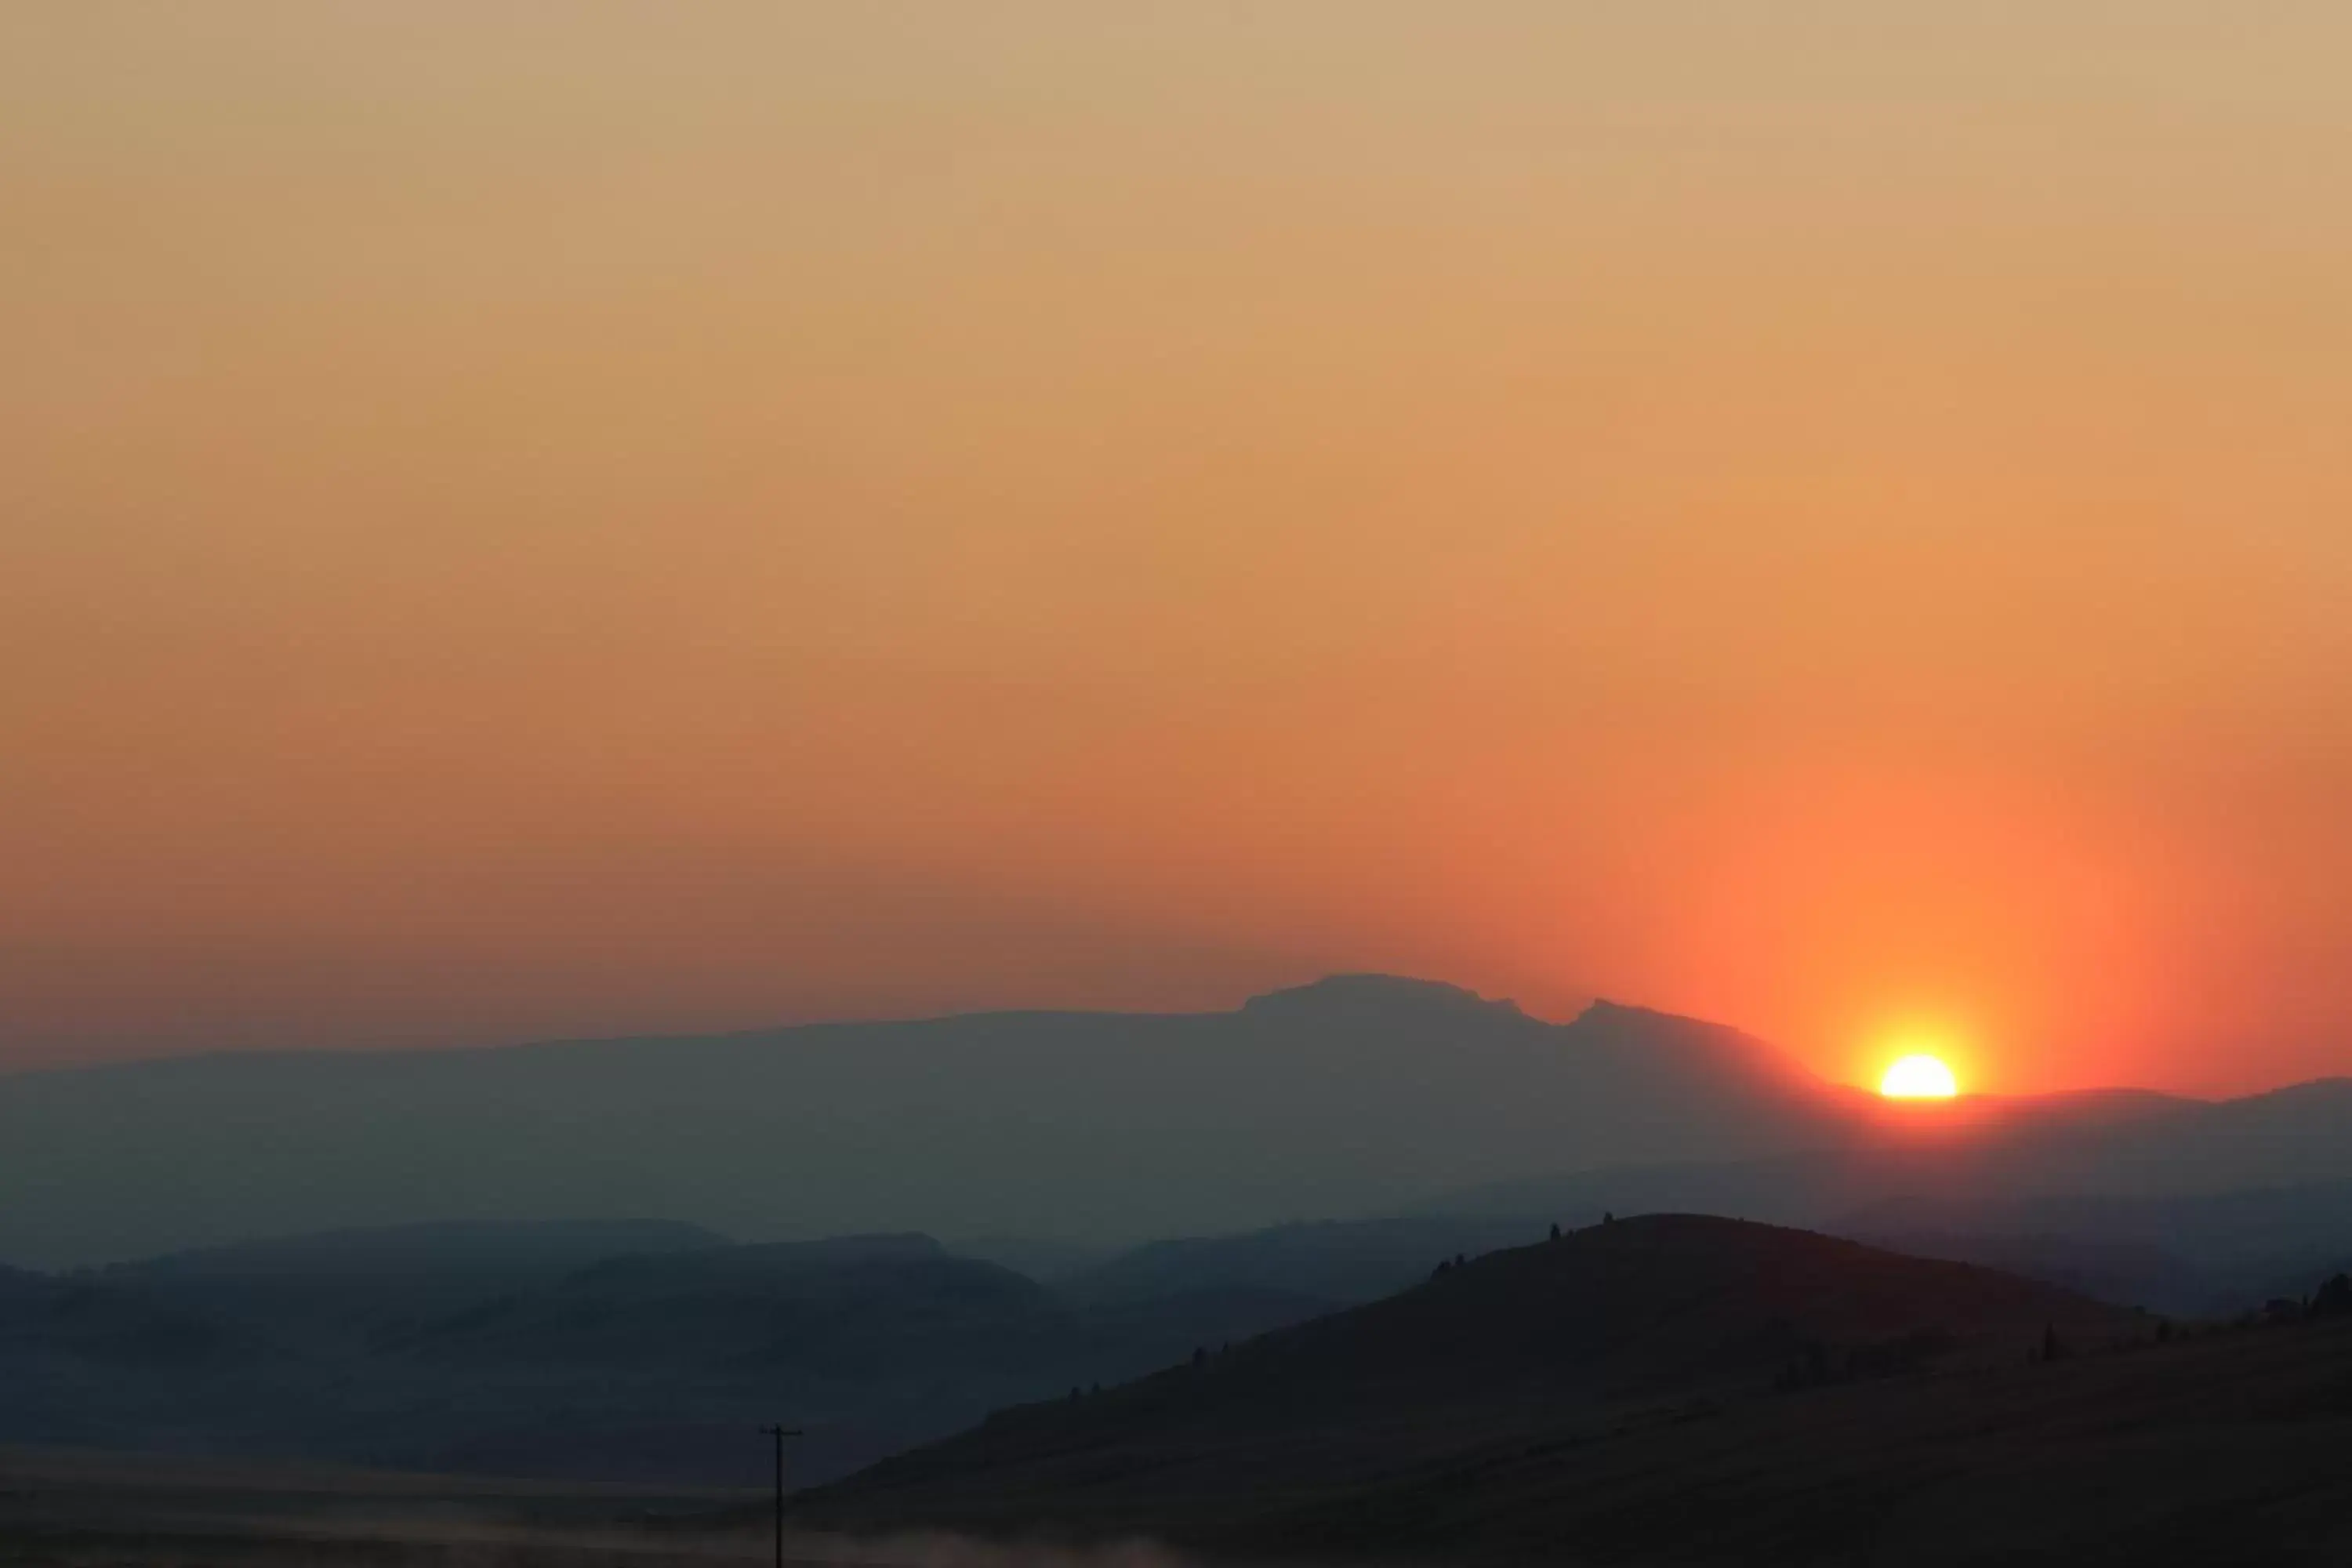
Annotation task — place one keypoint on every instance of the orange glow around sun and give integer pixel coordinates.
(1919, 1078)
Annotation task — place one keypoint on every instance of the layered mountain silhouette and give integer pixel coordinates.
(617, 1350)
(451, 1288)
(1353, 1097)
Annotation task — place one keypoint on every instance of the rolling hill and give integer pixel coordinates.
(1612, 1399)
(1554, 1343)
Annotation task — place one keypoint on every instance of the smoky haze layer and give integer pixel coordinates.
(522, 520)
(1355, 1096)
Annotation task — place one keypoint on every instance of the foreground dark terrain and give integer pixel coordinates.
(74, 1509)
(1668, 1390)
(1685, 1390)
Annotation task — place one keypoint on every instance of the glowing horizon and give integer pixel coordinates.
(527, 522)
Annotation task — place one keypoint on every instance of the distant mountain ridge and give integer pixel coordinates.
(1356, 1095)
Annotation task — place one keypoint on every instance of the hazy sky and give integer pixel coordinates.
(579, 518)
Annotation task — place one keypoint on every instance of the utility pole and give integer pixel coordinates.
(780, 1434)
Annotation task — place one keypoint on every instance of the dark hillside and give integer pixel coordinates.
(1559, 1341)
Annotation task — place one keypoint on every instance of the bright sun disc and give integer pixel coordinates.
(1919, 1078)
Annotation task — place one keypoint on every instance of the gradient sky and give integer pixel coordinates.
(520, 519)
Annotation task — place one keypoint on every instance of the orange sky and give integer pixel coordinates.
(540, 519)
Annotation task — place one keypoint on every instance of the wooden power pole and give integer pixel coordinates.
(780, 1433)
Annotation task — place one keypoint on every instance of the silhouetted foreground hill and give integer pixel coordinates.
(1605, 1400)
(1556, 1345)
(1354, 1096)
(2226, 1449)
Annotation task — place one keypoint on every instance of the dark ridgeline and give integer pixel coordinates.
(1626, 1396)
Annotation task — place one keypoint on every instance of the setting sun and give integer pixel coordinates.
(1919, 1078)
